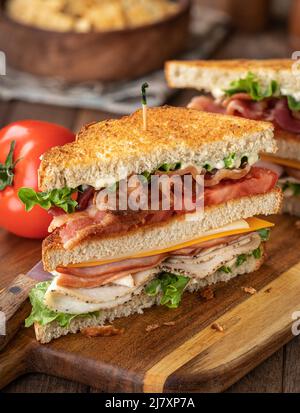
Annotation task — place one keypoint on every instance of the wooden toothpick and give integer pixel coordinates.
(144, 105)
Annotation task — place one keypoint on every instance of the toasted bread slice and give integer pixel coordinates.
(156, 237)
(102, 150)
(213, 76)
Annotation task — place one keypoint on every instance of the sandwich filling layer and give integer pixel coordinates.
(168, 278)
(85, 211)
(247, 99)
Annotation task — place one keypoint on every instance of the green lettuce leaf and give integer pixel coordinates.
(229, 161)
(60, 198)
(42, 314)
(250, 85)
(257, 253)
(167, 167)
(241, 259)
(293, 103)
(225, 269)
(170, 285)
(264, 234)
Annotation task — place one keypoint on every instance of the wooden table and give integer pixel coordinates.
(281, 372)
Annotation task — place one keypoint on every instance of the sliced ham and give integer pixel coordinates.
(92, 277)
(284, 118)
(206, 104)
(247, 108)
(130, 264)
(241, 104)
(68, 280)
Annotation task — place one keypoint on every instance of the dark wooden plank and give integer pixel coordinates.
(4, 112)
(266, 378)
(86, 116)
(265, 45)
(25, 255)
(41, 383)
(25, 110)
(291, 370)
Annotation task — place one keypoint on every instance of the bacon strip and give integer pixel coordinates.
(226, 174)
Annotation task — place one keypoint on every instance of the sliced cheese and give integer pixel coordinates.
(292, 163)
(237, 227)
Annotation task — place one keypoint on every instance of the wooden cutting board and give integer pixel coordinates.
(190, 355)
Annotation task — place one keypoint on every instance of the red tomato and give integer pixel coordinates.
(258, 181)
(33, 138)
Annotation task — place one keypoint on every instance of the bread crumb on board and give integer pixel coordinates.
(102, 331)
(217, 327)
(249, 290)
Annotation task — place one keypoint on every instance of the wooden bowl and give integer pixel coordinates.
(106, 56)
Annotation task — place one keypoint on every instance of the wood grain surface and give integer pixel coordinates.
(281, 371)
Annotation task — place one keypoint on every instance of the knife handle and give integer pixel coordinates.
(12, 299)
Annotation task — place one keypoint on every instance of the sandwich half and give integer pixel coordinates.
(112, 262)
(254, 89)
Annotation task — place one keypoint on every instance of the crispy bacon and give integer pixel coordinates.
(78, 226)
(192, 170)
(222, 174)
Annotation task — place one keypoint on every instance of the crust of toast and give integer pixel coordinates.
(213, 76)
(106, 149)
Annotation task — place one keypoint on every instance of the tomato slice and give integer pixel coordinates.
(258, 181)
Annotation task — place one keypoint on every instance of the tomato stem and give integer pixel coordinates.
(7, 169)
